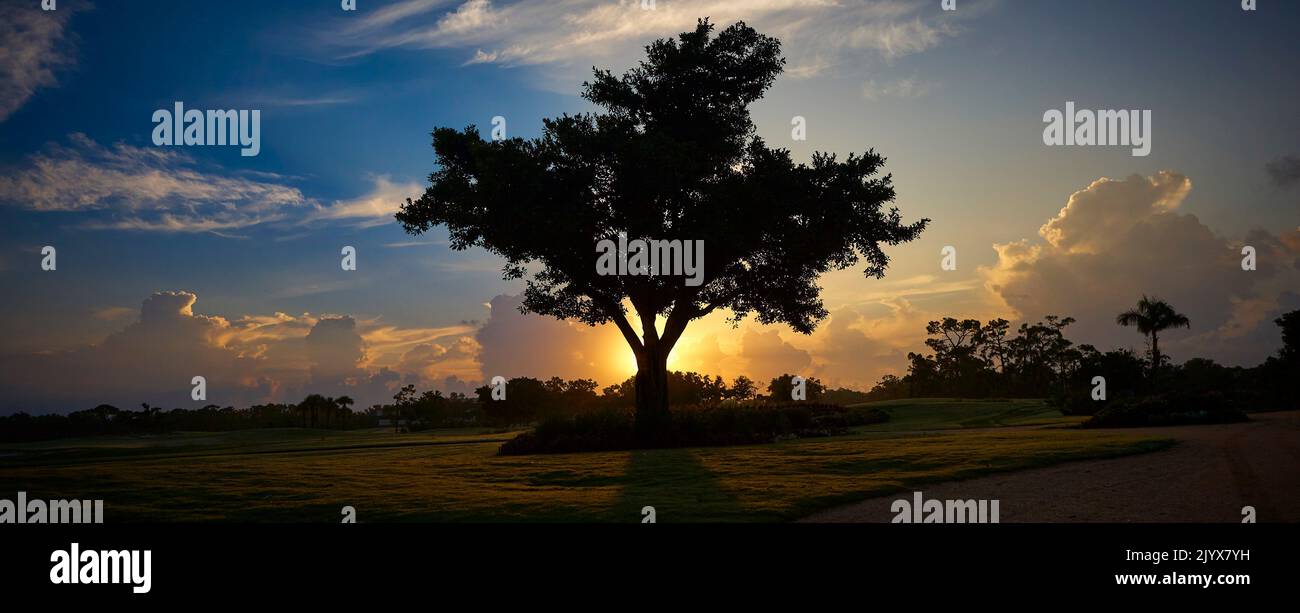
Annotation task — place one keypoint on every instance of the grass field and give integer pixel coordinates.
(957, 413)
(308, 475)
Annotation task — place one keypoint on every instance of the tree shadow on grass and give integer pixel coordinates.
(677, 485)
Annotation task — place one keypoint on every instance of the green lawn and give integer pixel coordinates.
(956, 413)
(305, 475)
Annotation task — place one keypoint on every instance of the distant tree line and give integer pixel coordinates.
(315, 411)
(528, 400)
(531, 400)
(973, 359)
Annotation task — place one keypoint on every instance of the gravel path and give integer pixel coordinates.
(1208, 477)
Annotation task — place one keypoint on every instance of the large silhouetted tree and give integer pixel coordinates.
(1151, 317)
(673, 155)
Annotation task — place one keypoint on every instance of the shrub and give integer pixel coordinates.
(1171, 408)
(690, 426)
(1077, 403)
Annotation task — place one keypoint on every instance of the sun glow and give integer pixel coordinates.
(620, 354)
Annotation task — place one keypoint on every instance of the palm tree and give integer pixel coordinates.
(314, 409)
(344, 409)
(1151, 316)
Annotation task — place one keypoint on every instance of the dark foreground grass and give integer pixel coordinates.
(692, 426)
(460, 477)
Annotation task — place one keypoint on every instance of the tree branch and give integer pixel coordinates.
(620, 320)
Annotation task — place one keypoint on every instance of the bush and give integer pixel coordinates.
(691, 426)
(1077, 403)
(1166, 410)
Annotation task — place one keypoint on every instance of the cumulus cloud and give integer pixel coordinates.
(1116, 240)
(365, 359)
(701, 350)
(852, 351)
(767, 355)
(161, 352)
(436, 363)
(818, 33)
(34, 46)
(514, 344)
(335, 349)
(150, 188)
(245, 360)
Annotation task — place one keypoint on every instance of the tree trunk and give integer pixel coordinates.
(1155, 359)
(652, 350)
(652, 392)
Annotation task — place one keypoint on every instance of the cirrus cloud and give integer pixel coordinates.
(144, 188)
(34, 46)
(124, 187)
(820, 33)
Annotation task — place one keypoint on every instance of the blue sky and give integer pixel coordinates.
(348, 99)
